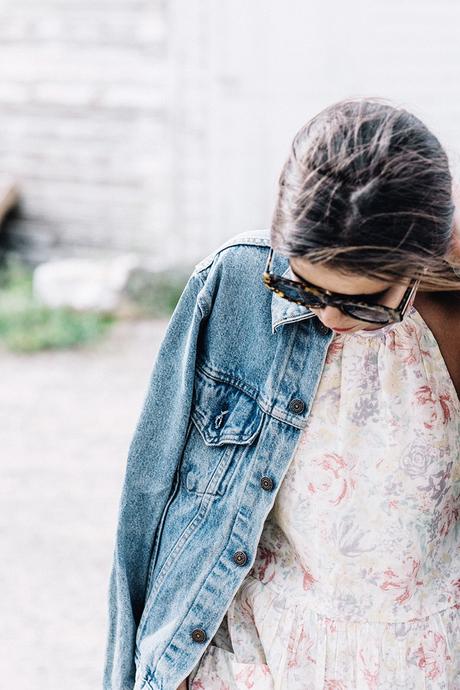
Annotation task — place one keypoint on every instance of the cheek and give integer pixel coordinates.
(347, 322)
(334, 318)
(394, 297)
(326, 311)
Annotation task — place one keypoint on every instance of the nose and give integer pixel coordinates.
(334, 318)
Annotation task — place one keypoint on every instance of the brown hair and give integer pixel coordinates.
(367, 188)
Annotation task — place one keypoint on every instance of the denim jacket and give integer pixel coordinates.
(229, 394)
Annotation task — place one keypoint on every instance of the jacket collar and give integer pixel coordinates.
(284, 311)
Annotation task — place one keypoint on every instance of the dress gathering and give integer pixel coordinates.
(356, 580)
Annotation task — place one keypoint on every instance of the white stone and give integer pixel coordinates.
(83, 284)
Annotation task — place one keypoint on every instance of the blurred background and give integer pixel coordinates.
(135, 137)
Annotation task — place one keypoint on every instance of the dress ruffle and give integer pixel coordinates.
(307, 651)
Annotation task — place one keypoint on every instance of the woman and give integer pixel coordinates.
(290, 512)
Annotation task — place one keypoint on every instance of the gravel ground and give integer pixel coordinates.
(66, 421)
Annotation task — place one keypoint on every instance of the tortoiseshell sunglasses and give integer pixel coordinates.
(309, 295)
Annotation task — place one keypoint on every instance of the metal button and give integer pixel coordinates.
(240, 557)
(297, 406)
(266, 483)
(324, 330)
(198, 635)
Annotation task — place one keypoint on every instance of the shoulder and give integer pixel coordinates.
(240, 247)
(230, 277)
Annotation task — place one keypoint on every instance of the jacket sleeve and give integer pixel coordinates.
(153, 456)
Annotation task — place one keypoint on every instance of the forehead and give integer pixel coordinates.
(335, 281)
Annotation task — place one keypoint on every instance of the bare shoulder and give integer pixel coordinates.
(441, 313)
(440, 310)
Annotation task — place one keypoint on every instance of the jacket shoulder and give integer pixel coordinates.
(259, 238)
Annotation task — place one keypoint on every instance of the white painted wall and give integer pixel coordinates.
(161, 126)
(84, 121)
(269, 66)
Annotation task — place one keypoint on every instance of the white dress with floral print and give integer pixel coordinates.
(356, 582)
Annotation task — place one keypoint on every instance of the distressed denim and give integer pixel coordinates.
(229, 394)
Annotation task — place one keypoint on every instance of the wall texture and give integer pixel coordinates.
(160, 126)
(84, 121)
(251, 73)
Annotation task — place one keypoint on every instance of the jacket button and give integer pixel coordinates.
(266, 483)
(240, 557)
(297, 406)
(198, 635)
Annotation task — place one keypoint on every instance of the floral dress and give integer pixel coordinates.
(356, 582)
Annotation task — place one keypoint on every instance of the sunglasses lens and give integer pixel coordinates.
(365, 314)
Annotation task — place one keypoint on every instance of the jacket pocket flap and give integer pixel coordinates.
(223, 413)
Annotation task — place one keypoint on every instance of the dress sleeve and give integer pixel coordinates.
(153, 456)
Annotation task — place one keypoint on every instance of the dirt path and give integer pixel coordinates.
(66, 420)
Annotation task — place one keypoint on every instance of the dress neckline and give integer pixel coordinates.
(414, 315)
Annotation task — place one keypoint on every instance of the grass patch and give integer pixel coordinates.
(156, 295)
(28, 326)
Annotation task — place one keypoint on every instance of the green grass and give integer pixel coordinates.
(28, 326)
(155, 296)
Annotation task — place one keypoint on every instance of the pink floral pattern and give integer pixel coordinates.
(355, 585)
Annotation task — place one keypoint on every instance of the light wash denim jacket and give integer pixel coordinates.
(229, 394)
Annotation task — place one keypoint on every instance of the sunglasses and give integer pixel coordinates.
(309, 295)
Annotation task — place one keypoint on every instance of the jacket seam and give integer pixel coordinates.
(146, 683)
(210, 258)
(256, 397)
(203, 301)
(221, 377)
(221, 557)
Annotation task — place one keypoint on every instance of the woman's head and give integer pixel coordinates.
(367, 190)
